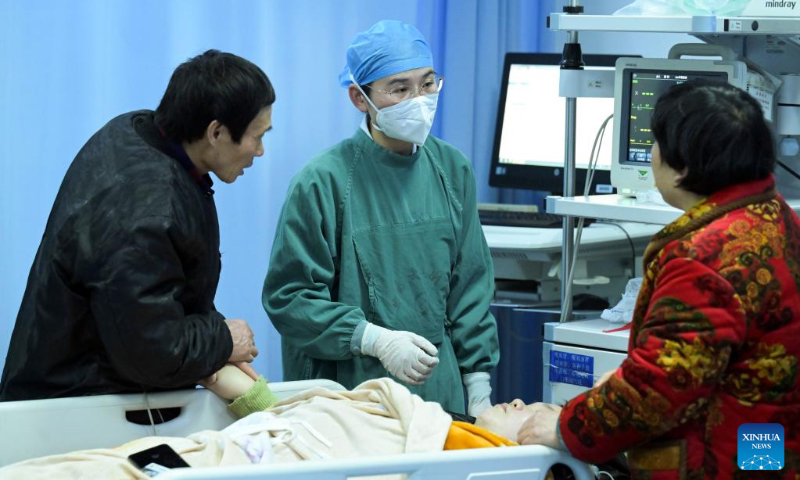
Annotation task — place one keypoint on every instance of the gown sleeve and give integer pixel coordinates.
(298, 290)
(473, 327)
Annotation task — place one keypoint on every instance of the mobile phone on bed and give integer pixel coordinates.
(158, 459)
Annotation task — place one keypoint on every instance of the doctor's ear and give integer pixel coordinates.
(357, 98)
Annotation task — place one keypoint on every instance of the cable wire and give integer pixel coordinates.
(150, 414)
(792, 172)
(587, 185)
(630, 242)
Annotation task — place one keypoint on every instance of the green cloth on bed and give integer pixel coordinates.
(257, 399)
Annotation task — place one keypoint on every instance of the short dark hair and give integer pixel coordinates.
(213, 86)
(714, 130)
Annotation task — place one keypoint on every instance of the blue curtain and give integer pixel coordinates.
(69, 67)
(473, 37)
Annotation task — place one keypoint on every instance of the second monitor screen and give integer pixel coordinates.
(534, 119)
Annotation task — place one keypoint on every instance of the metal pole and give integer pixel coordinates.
(569, 191)
(568, 241)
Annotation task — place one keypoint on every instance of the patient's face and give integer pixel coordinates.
(505, 419)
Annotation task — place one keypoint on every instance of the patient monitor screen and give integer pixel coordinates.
(534, 121)
(643, 88)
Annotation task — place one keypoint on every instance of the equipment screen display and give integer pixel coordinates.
(534, 121)
(643, 89)
(530, 133)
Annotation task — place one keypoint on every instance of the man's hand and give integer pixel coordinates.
(244, 345)
(540, 428)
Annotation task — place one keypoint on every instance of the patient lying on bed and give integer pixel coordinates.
(378, 417)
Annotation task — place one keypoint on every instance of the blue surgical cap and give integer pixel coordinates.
(388, 47)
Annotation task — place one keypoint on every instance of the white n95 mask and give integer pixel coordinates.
(409, 120)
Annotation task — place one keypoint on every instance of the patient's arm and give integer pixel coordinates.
(231, 383)
(248, 395)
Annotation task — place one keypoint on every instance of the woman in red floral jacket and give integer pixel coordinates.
(715, 337)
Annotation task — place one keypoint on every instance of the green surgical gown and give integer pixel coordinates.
(368, 234)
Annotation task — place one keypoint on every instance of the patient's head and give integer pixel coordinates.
(505, 419)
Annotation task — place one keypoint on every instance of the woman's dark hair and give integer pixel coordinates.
(213, 86)
(714, 130)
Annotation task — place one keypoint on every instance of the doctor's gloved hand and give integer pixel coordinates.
(408, 356)
(478, 391)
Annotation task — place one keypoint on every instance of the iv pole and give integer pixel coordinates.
(571, 59)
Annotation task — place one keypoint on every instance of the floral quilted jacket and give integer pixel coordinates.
(715, 342)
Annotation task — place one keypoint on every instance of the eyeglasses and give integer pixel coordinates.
(402, 91)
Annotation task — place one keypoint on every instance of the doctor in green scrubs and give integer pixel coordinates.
(379, 265)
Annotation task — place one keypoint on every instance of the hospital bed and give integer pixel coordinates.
(36, 428)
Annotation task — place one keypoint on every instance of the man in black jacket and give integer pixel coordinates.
(120, 297)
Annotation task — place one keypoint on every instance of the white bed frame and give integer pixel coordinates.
(514, 463)
(37, 428)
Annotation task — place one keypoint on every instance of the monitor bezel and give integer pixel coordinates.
(538, 177)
